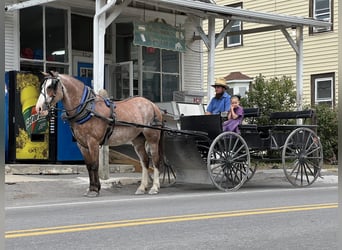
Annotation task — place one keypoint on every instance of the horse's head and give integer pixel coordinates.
(50, 93)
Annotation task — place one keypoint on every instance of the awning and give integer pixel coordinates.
(231, 13)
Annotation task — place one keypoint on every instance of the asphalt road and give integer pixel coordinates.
(49, 212)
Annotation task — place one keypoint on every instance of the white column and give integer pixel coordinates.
(211, 57)
(299, 67)
(98, 41)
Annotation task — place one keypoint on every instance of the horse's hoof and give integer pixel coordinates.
(91, 194)
(139, 192)
(153, 191)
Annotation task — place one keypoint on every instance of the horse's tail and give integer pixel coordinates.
(159, 119)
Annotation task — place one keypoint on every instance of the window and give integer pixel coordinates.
(44, 39)
(234, 40)
(323, 89)
(321, 10)
(161, 75)
(82, 34)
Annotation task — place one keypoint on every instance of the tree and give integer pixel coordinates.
(275, 94)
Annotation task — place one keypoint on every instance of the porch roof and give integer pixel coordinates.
(203, 9)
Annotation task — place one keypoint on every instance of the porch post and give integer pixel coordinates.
(299, 67)
(211, 57)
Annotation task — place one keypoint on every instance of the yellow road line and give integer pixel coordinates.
(159, 220)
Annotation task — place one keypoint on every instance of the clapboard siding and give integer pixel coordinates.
(270, 54)
(192, 58)
(11, 40)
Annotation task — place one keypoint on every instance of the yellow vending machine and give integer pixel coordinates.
(31, 136)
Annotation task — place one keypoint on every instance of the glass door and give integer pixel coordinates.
(123, 81)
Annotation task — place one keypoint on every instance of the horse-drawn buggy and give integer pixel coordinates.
(195, 152)
(201, 153)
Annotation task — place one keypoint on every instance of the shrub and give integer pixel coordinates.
(275, 94)
(327, 131)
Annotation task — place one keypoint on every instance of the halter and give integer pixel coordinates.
(55, 82)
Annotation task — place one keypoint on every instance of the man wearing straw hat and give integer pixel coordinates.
(221, 102)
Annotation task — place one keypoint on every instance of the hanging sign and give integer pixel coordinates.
(159, 35)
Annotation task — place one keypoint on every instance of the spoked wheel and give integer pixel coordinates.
(167, 174)
(251, 171)
(228, 161)
(302, 157)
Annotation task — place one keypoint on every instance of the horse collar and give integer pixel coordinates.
(83, 112)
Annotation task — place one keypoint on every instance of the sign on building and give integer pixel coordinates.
(159, 35)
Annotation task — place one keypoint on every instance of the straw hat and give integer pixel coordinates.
(220, 82)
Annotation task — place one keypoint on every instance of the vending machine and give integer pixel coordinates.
(30, 137)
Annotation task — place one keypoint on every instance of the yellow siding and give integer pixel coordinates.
(270, 54)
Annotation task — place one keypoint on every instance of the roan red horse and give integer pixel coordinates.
(95, 121)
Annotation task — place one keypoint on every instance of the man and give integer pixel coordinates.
(221, 102)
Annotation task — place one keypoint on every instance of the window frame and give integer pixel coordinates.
(312, 9)
(227, 43)
(45, 63)
(315, 79)
(161, 73)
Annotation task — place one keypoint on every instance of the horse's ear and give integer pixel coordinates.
(44, 73)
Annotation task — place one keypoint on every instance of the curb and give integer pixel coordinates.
(53, 169)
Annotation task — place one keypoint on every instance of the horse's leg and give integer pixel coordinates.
(154, 151)
(91, 159)
(139, 146)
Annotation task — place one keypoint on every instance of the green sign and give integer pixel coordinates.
(159, 35)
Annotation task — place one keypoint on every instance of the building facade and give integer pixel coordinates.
(269, 53)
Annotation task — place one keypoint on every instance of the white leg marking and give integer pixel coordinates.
(144, 182)
(156, 183)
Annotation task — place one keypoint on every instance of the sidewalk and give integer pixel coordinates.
(119, 174)
(14, 173)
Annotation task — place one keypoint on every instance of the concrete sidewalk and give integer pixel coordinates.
(14, 173)
(119, 174)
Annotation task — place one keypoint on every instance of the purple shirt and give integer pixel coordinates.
(233, 124)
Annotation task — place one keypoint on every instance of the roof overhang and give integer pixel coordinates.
(203, 10)
(231, 13)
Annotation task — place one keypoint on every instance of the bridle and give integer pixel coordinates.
(55, 81)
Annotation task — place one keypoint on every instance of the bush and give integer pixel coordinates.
(271, 95)
(327, 131)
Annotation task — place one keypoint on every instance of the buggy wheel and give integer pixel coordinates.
(251, 171)
(167, 176)
(302, 157)
(228, 161)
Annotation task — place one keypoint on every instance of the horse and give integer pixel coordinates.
(96, 120)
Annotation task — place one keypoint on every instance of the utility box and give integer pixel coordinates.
(188, 96)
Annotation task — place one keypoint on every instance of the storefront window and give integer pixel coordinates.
(56, 35)
(161, 75)
(31, 33)
(82, 34)
(44, 39)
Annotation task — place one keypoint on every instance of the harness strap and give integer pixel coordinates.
(84, 110)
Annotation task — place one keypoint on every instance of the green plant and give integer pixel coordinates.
(327, 131)
(275, 94)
